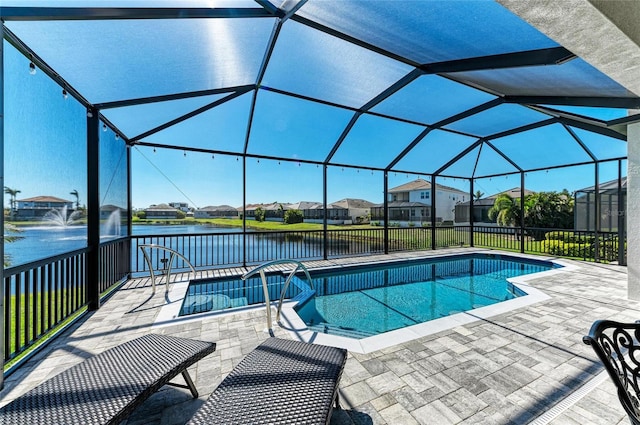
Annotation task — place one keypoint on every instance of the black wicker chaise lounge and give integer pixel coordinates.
(618, 348)
(106, 388)
(280, 382)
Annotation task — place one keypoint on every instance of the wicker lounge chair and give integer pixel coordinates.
(106, 388)
(280, 382)
(618, 347)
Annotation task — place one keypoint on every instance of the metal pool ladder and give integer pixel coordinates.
(260, 269)
(167, 264)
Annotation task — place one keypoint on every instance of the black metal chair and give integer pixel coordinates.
(618, 347)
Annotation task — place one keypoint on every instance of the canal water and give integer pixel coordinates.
(38, 242)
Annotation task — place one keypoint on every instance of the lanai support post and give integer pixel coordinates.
(2, 323)
(433, 211)
(93, 210)
(622, 213)
(385, 207)
(633, 207)
(325, 223)
(596, 215)
(522, 212)
(244, 210)
(471, 230)
(129, 260)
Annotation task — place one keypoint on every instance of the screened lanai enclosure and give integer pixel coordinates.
(113, 108)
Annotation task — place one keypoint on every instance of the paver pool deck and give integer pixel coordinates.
(524, 366)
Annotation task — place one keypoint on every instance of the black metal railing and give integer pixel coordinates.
(228, 249)
(39, 296)
(43, 295)
(583, 245)
(202, 250)
(115, 263)
(208, 250)
(409, 238)
(349, 242)
(507, 238)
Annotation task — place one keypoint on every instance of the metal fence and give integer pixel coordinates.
(583, 245)
(39, 296)
(231, 249)
(208, 250)
(42, 295)
(114, 263)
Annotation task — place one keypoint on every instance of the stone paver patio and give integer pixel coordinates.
(508, 369)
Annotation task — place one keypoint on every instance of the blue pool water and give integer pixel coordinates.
(364, 301)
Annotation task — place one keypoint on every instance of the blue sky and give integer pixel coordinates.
(45, 150)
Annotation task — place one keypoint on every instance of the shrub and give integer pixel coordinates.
(180, 214)
(569, 237)
(568, 249)
(293, 217)
(141, 214)
(411, 224)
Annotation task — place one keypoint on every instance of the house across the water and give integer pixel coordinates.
(35, 208)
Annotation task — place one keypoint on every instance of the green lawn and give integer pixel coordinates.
(25, 311)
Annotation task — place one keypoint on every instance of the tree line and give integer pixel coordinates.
(548, 210)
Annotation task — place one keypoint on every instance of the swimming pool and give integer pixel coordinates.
(201, 298)
(362, 302)
(367, 300)
(226, 293)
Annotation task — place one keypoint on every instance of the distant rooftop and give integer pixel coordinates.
(44, 198)
(421, 184)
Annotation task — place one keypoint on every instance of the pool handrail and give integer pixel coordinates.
(174, 254)
(260, 269)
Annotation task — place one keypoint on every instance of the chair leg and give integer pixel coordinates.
(190, 384)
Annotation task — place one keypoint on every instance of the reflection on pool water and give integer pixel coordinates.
(362, 301)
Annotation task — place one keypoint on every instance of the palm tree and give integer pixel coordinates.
(506, 210)
(478, 195)
(75, 193)
(12, 193)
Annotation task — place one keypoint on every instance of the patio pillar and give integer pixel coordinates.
(433, 211)
(129, 209)
(385, 207)
(471, 238)
(622, 221)
(2, 347)
(633, 209)
(92, 272)
(522, 182)
(325, 223)
(597, 208)
(244, 211)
